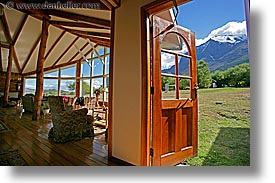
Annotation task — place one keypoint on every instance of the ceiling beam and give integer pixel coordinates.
(6, 28)
(77, 24)
(97, 40)
(54, 44)
(77, 17)
(16, 35)
(107, 4)
(30, 53)
(53, 67)
(82, 48)
(88, 33)
(111, 3)
(7, 46)
(69, 47)
(16, 59)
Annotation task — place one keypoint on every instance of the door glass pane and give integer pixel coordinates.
(184, 88)
(168, 63)
(184, 66)
(174, 42)
(168, 87)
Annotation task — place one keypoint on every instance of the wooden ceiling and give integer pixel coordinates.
(72, 34)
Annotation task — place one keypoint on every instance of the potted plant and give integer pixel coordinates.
(45, 108)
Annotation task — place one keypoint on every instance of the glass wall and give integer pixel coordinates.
(50, 87)
(67, 88)
(30, 85)
(94, 75)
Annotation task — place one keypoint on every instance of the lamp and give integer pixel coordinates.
(1, 10)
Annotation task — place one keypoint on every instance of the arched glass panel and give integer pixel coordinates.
(173, 42)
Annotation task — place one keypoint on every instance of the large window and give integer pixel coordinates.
(94, 74)
(85, 87)
(50, 87)
(67, 88)
(68, 72)
(30, 85)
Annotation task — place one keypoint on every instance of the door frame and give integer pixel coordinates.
(146, 11)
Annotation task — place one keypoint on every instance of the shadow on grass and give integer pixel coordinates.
(231, 148)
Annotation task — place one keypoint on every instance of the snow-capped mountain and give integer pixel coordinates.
(232, 32)
(223, 48)
(223, 52)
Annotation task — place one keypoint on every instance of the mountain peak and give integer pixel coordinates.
(231, 32)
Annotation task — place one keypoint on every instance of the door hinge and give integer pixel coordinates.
(151, 152)
(152, 90)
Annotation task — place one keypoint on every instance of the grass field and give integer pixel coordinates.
(224, 128)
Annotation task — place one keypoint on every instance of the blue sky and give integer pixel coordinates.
(203, 16)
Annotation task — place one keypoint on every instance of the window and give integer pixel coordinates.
(175, 68)
(30, 86)
(86, 70)
(50, 87)
(68, 72)
(68, 88)
(85, 88)
(51, 74)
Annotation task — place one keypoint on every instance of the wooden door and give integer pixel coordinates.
(174, 95)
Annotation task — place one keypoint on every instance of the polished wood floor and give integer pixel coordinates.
(31, 139)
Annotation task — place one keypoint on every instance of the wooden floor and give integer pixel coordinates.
(31, 139)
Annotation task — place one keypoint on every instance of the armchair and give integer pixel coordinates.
(69, 125)
(28, 103)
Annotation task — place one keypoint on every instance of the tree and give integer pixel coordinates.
(71, 86)
(219, 78)
(204, 76)
(85, 88)
(167, 80)
(238, 76)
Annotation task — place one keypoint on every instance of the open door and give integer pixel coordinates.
(173, 94)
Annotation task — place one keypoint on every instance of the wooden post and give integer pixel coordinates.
(1, 64)
(40, 70)
(8, 78)
(77, 84)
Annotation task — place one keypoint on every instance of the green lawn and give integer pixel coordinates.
(224, 127)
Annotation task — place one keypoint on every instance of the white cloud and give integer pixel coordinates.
(97, 83)
(231, 28)
(167, 60)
